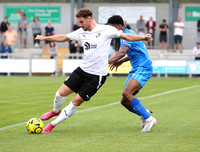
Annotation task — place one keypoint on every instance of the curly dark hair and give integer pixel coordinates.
(116, 19)
(84, 12)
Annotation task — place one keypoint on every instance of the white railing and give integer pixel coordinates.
(26, 63)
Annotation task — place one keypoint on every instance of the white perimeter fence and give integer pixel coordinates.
(163, 64)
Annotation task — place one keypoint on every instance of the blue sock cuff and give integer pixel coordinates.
(139, 108)
(134, 102)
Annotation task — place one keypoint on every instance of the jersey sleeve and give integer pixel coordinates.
(125, 43)
(74, 35)
(113, 32)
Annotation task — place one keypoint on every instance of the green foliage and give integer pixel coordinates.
(109, 128)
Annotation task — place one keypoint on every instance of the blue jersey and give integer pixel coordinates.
(137, 54)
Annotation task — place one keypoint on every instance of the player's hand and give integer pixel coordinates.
(114, 65)
(39, 37)
(148, 37)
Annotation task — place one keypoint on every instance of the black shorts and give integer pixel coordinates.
(85, 84)
(177, 39)
(163, 38)
(46, 42)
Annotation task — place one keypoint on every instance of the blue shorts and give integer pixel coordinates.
(141, 74)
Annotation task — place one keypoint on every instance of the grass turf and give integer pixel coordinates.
(174, 101)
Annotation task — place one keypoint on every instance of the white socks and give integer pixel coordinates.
(58, 102)
(65, 113)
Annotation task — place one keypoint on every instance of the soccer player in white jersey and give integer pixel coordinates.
(138, 76)
(91, 75)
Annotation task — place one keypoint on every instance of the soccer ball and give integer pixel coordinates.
(34, 126)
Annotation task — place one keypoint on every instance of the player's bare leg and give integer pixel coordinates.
(131, 89)
(59, 100)
(129, 92)
(134, 105)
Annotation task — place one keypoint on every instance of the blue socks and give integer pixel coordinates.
(137, 108)
(133, 111)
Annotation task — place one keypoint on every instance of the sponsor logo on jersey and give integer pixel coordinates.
(98, 34)
(123, 42)
(90, 46)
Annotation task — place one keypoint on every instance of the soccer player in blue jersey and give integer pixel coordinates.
(138, 76)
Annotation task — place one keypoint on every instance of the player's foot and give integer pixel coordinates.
(49, 115)
(48, 128)
(149, 125)
(142, 119)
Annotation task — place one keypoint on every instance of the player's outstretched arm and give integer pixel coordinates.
(55, 38)
(133, 37)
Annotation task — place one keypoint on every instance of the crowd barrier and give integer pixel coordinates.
(35, 63)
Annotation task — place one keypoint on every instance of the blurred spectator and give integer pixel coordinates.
(11, 37)
(4, 25)
(116, 44)
(5, 49)
(198, 30)
(140, 25)
(111, 50)
(53, 50)
(22, 29)
(75, 27)
(80, 49)
(126, 25)
(196, 51)
(178, 34)
(75, 46)
(36, 28)
(163, 34)
(151, 25)
(49, 30)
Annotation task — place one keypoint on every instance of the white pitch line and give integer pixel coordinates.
(23, 103)
(107, 105)
(170, 91)
(11, 126)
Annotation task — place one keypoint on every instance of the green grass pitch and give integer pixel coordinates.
(102, 124)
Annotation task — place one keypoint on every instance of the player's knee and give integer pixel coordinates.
(123, 102)
(59, 96)
(126, 95)
(60, 93)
